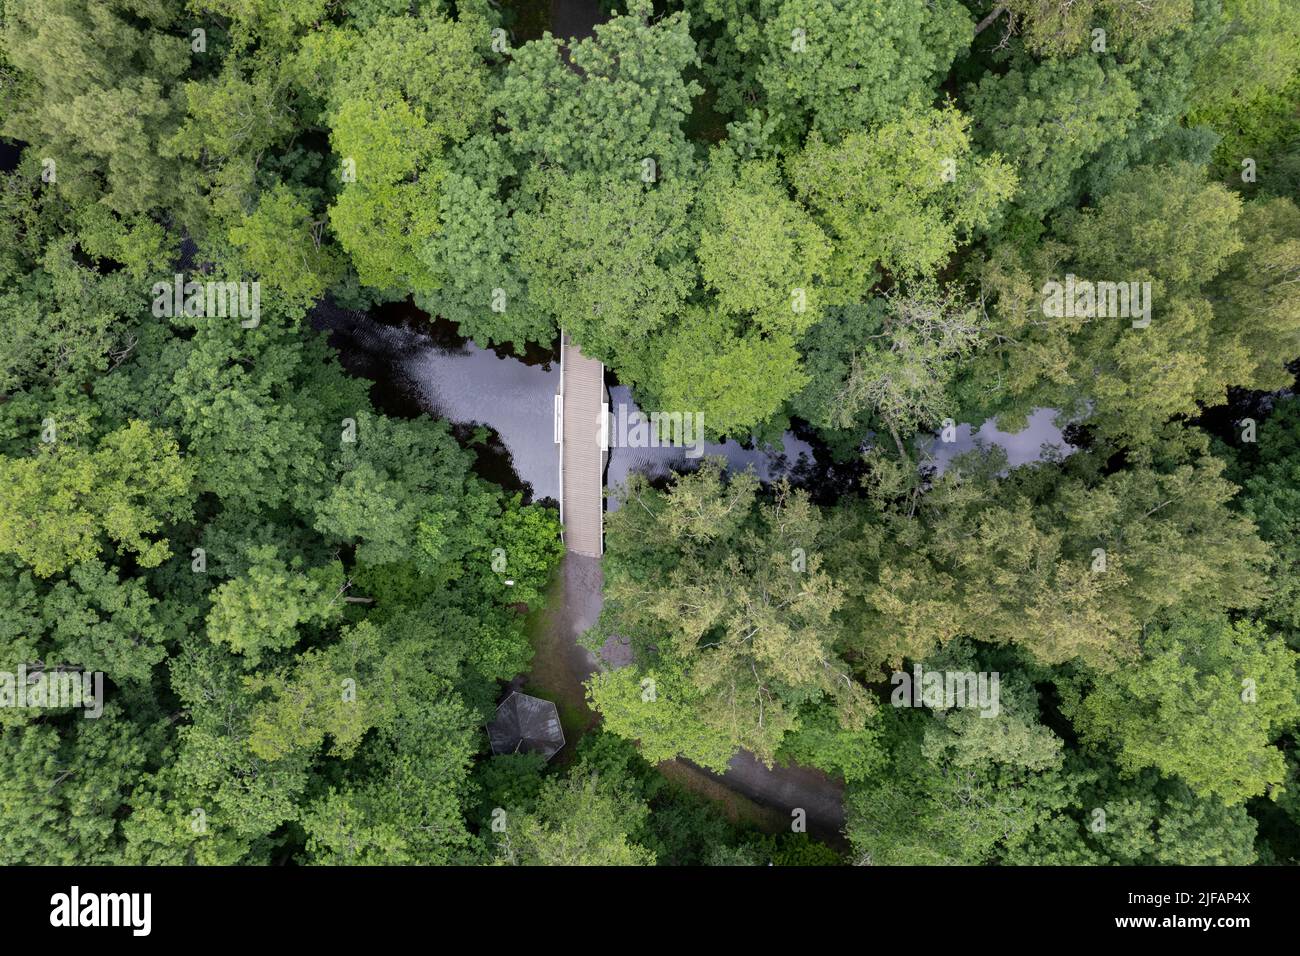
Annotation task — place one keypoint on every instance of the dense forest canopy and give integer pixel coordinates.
(843, 216)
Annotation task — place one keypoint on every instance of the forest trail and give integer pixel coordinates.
(778, 790)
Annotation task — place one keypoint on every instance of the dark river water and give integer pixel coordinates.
(1021, 447)
(421, 366)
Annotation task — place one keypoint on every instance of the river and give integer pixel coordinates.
(422, 366)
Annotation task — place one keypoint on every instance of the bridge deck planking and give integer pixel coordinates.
(581, 455)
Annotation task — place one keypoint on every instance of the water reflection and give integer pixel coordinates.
(473, 385)
(793, 459)
(1021, 447)
(419, 366)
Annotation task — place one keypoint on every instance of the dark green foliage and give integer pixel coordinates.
(305, 610)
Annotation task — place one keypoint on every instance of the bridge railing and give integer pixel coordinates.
(558, 429)
(600, 459)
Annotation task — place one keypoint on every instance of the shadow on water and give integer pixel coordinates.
(575, 19)
(1225, 421)
(526, 19)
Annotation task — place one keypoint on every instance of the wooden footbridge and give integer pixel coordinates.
(582, 432)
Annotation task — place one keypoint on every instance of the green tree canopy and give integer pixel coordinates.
(1205, 702)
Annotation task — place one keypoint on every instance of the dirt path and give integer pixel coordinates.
(751, 793)
(560, 663)
(821, 797)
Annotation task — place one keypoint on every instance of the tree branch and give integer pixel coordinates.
(988, 20)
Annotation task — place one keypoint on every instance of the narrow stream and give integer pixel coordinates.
(422, 366)
(1022, 447)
